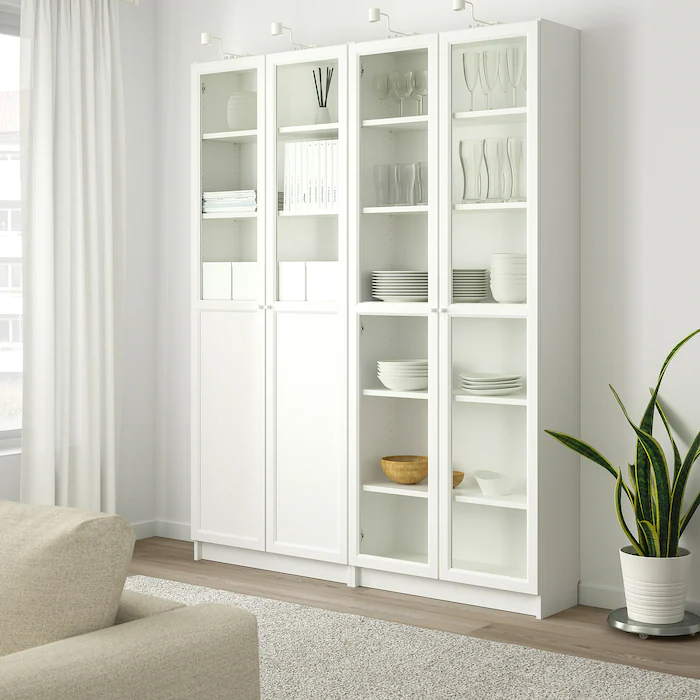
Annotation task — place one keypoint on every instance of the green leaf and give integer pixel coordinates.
(651, 538)
(676, 454)
(621, 517)
(691, 512)
(589, 452)
(657, 459)
(674, 526)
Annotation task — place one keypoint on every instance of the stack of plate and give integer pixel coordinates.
(469, 286)
(509, 277)
(403, 375)
(486, 384)
(400, 285)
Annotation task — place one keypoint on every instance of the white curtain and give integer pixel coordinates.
(72, 161)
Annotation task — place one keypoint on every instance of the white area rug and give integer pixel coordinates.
(309, 653)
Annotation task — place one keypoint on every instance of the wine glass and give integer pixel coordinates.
(489, 73)
(470, 63)
(514, 65)
(420, 87)
(402, 87)
(380, 88)
(503, 75)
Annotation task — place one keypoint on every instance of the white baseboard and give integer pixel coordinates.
(611, 598)
(162, 528)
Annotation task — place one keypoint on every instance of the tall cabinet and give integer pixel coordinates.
(290, 420)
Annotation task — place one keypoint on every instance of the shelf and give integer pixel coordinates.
(231, 215)
(488, 310)
(396, 394)
(399, 555)
(394, 489)
(321, 131)
(414, 209)
(311, 212)
(473, 495)
(517, 398)
(247, 136)
(383, 308)
(491, 206)
(511, 115)
(418, 123)
(490, 569)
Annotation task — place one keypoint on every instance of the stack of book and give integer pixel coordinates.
(229, 202)
(311, 176)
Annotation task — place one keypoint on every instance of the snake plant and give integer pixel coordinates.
(656, 498)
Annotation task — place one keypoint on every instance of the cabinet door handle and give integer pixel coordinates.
(261, 307)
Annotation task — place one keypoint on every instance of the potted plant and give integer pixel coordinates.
(655, 570)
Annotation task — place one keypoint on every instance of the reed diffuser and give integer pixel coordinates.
(323, 116)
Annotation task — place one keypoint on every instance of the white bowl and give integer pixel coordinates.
(509, 297)
(404, 383)
(494, 483)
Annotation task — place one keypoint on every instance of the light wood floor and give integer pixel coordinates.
(580, 631)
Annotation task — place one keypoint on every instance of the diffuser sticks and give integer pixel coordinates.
(322, 96)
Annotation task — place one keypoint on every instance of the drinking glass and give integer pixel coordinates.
(523, 81)
(421, 183)
(503, 75)
(381, 185)
(471, 155)
(489, 73)
(470, 63)
(516, 161)
(420, 87)
(380, 88)
(402, 87)
(514, 65)
(406, 181)
(393, 186)
(494, 156)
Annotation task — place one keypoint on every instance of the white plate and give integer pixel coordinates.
(489, 392)
(490, 387)
(467, 300)
(489, 377)
(400, 300)
(400, 384)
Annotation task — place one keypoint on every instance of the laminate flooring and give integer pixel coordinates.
(580, 631)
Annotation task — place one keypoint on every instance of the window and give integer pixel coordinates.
(10, 241)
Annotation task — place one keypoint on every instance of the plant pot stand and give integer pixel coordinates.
(689, 625)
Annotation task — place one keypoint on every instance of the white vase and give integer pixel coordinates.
(655, 587)
(323, 116)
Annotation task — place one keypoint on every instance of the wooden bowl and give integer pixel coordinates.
(405, 469)
(457, 478)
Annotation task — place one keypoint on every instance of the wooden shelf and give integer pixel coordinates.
(488, 310)
(491, 206)
(310, 212)
(511, 115)
(416, 123)
(247, 136)
(473, 495)
(394, 489)
(414, 209)
(396, 394)
(321, 131)
(231, 215)
(383, 308)
(490, 569)
(517, 398)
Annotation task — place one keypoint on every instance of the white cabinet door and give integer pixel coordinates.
(306, 446)
(231, 475)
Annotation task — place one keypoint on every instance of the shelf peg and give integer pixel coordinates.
(460, 5)
(206, 41)
(277, 28)
(375, 15)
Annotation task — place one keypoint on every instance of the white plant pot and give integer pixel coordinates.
(655, 587)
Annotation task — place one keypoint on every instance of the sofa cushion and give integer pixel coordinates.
(62, 572)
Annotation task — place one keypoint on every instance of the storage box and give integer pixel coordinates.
(292, 281)
(244, 281)
(216, 280)
(322, 281)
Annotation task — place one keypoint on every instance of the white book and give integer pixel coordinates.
(285, 188)
(315, 172)
(305, 174)
(309, 175)
(322, 199)
(290, 203)
(298, 167)
(334, 192)
(329, 174)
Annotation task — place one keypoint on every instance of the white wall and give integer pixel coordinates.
(640, 239)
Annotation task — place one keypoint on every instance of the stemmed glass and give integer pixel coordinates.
(515, 63)
(470, 62)
(489, 73)
(420, 87)
(402, 86)
(503, 75)
(380, 88)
